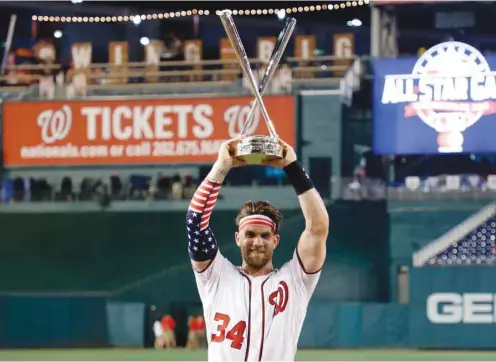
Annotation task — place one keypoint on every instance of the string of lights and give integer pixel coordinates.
(179, 14)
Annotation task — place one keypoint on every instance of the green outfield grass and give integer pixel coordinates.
(200, 355)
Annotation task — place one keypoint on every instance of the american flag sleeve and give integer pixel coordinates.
(202, 245)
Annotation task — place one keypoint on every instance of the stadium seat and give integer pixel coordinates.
(477, 247)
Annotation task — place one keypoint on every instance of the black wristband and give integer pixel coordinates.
(298, 177)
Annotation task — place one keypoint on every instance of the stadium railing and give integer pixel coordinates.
(347, 189)
(165, 76)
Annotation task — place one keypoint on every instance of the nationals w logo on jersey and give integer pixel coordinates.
(279, 298)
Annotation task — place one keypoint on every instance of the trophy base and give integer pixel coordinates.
(257, 149)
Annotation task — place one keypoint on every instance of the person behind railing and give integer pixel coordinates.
(177, 188)
(173, 51)
(189, 187)
(105, 199)
(19, 189)
(162, 186)
(66, 190)
(115, 186)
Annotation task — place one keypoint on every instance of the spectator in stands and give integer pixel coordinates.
(177, 188)
(45, 189)
(163, 186)
(139, 186)
(115, 186)
(151, 193)
(7, 190)
(85, 190)
(3, 195)
(189, 187)
(104, 196)
(18, 189)
(173, 51)
(173, 47)
(66, 189)
(90, 189)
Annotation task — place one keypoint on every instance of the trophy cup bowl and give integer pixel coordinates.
(257, 149)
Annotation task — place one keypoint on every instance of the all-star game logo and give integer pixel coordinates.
(451, 87)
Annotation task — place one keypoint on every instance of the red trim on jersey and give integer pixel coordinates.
(302, 267)
(248, 334)
(257, 220)
(263, 321)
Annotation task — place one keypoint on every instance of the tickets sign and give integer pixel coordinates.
(132, 131)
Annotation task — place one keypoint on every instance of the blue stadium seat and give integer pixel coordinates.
(476, 248)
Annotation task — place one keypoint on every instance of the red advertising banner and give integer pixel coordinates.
(103, 132)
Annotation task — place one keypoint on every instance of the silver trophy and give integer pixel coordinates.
(257, 149)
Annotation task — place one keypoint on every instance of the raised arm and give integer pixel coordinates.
(311, 248)
(312, 244)
(202, 244)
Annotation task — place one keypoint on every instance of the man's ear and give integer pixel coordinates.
(276, 239)
(236, 237)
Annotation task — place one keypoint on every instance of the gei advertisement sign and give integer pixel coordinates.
(453, 307)
(441, 102)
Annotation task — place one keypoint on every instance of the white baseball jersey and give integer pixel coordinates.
(254, 318)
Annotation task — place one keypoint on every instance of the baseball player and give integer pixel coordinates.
(255, 312)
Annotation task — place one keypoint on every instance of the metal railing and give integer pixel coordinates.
(142, 76)
(341, 188)
(375, 189)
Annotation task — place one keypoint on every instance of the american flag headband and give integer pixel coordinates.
(257, 220)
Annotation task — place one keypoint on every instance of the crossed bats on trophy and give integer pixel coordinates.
(275, 58)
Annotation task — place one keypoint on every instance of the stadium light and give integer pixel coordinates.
(281, 14)
(354, 23)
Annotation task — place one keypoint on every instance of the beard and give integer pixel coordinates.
(256, 257)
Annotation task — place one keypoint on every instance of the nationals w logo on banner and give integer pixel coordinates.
(55, 124)
(106, 132)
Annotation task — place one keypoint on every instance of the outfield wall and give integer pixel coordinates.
(451, 308)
